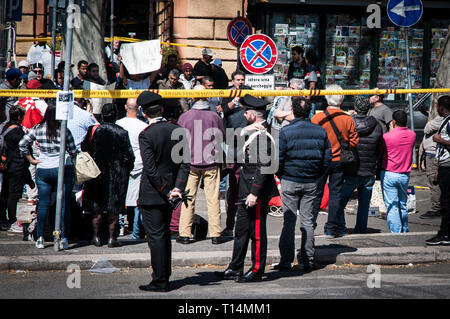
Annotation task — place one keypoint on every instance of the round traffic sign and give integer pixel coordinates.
(404, 13)
(258, 53)
(238, 29)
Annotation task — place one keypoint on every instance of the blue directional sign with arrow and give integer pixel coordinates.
(404, 13)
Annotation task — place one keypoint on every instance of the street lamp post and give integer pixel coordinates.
(59, 194)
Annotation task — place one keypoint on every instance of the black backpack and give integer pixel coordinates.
(199, 227)
(3, 147)
(349, 155)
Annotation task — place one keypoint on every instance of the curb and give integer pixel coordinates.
(362, 256)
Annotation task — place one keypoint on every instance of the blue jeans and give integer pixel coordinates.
(313, 110)
(395, 195)
(364, 186)
(223, 184)
(137, 224)
(47, 181)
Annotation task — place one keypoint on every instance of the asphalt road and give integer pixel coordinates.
(332, 282)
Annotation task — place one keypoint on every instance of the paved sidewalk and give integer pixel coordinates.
(377, 247)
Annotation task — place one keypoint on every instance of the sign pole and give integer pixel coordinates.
(62, 153)
(52, 74)
(111, 19)
(408, 70)
(238, 48)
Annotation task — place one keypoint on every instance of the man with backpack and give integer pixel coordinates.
(369, 150)
(341, 130)
(442, 138)
(14, 168)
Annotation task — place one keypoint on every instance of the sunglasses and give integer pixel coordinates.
(38, 71)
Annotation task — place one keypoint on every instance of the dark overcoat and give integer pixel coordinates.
(111, 150)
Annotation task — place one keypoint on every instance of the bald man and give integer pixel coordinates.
(134, 127)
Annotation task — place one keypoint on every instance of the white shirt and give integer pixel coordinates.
(35, 52)
(134, 127)
(442, 152)
(188, 84)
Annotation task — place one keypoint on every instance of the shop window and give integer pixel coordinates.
(347, 52)
(288, 32)
(439, 31)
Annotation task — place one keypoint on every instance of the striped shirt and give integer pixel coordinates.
(49, 150)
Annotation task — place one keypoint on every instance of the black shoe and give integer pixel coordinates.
(250, 276)
(306, 267)
(96, 241)
(282, 268)
(439, 240)
(228, 274)
(183, 240)
(227, 233)
(113, 242)
(217, 240)
(154, 288)
(430, 214)
(173, 234)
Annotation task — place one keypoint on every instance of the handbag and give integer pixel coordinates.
(85, 166)
(349, 155)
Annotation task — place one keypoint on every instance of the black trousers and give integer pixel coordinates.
(12, 188)
(444, 184)
(250, 224)
(156, 220)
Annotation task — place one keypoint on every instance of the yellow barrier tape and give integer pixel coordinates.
(167, 43)
(38, 39)
(195, 46)
(123, 39)
(421, 187)
(133, 40)
(122, 94)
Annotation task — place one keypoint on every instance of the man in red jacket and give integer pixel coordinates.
(335, 226)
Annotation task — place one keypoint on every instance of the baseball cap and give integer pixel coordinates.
(37, 66)
(217, 62)
(13, 73)
(33, 85)
(23, 64)
(207, 51)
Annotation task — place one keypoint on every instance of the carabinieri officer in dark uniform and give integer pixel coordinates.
(256, 187)
(162, 180)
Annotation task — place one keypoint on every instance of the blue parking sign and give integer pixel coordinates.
(13, 10)
(405, 13)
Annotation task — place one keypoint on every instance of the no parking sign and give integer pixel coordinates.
(258, 53)
(238, 29)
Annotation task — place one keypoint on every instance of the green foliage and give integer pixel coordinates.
(166, 51)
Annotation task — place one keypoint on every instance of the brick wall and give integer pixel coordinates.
(205, 23)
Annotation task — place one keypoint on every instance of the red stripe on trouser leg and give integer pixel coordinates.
(257, 237)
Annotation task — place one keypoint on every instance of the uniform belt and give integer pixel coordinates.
(430, 155)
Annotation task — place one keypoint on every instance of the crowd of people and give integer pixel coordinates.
(139, 179)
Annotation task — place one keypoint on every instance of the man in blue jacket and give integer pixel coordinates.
(305, 152)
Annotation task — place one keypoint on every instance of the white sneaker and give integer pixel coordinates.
(40, 243)
(16, 228)
(64, 244)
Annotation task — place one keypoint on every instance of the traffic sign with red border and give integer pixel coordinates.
(258, 53)
(238, 29)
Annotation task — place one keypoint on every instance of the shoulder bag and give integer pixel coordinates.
(349, 155)
(85, 166)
